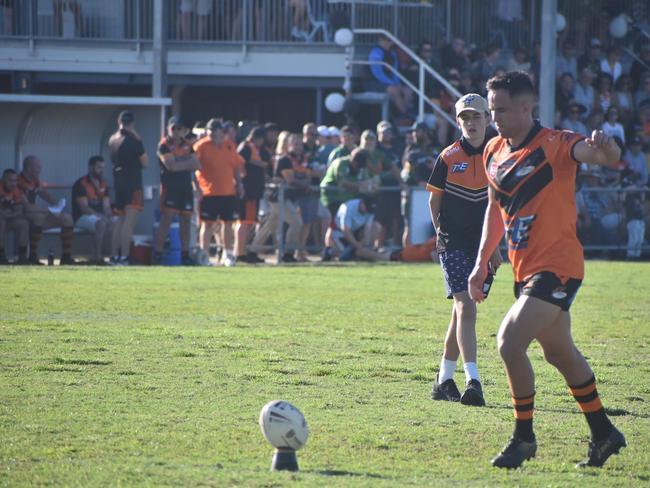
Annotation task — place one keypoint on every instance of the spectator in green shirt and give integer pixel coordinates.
(346, 146)
(345, 178)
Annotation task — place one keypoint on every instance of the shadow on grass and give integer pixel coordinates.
(337, 472)
(82, 362)
(612, 412)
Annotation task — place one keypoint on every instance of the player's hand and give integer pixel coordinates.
(600, 140)
(475, 282)
(496, 260)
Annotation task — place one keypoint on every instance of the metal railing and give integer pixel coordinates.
(478, 22)
(422, 68)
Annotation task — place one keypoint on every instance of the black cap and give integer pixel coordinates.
(370, 202)
(126, 117)
(581, 108)
(175, 120)
(214, 124)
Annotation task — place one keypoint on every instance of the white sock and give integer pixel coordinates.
(471, 372)
(447, 369)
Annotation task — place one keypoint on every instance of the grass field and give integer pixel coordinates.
(136, 376)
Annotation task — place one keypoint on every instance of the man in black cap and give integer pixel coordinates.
(418, 164)
(128, 157)
(177, 161)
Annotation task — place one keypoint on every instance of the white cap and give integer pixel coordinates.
(334, 131)
(323, 131)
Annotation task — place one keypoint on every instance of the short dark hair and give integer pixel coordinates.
(28, 160)
(359, 156)
(126, 117)
(256, 133)
(9, 171)
(514, 82)
(94, 160)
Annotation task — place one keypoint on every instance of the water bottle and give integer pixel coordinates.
(487, 284)
(50, 257)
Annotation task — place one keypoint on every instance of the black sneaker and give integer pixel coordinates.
(473, 394)
(515, 453)
(34, 261)
(288, 258)
(67, 260)
(600, 451)
(21, 261)
(253, 258)
(187, 261)
(445, 391)
(327, 254)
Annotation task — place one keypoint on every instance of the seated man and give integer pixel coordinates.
(385, 78)
(91, 208)
(354, 233)
(41, 219)
(12, 208)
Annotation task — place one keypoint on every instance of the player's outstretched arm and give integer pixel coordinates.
(598, 149)
(490, 238)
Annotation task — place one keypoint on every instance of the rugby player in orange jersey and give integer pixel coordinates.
(531, 172)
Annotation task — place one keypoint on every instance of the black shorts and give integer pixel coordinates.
(128, 196)
(177, 198)
(388, 207)
(248, 209)
(333, 207)
(214, 209)
(548, 287)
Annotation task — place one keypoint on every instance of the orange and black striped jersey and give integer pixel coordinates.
(30, 187)
(182, 151)
(95, 194)
(9, 199)
(459, 175)
(534, 185)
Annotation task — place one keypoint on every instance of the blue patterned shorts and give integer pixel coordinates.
(456, 267)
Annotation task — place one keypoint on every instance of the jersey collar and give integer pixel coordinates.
(471, 150)
(533, 132)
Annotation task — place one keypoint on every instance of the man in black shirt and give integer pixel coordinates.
(177, 162)
(250, 149)
(128, 158)
(91, 207)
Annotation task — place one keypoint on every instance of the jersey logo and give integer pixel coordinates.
(459, 167)
(451, 151)
(518, 232)
(524, 170)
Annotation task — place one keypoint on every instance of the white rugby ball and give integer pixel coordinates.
(283, 425)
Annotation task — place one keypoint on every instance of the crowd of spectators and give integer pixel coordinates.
(242, 182)
(597, 87)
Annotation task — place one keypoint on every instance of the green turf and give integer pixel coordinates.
(156, 377)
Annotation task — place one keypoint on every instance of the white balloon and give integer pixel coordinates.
(560, 22)
(334, 102)
(618, 27)
(343, 37)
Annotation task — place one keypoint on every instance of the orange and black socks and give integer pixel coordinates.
(35, 234)
(589, 403)
(66, 240)
(524, 408)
